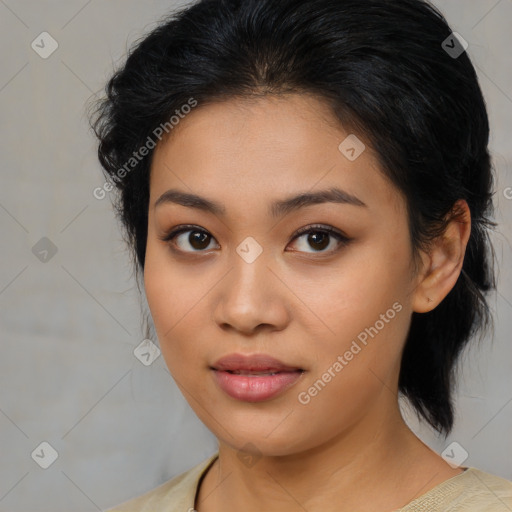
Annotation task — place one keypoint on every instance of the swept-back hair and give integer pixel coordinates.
(390, 70)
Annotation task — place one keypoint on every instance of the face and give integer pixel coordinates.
(333, 307)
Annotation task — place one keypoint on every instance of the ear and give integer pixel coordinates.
(443, 262)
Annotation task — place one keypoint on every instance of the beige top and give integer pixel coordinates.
(472, 491)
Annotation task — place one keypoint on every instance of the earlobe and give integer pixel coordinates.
(443, 263)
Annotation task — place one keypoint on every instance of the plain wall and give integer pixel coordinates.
(69, 325)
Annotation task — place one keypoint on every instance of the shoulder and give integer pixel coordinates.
(173, 495)
(491, 491)
(474, 490)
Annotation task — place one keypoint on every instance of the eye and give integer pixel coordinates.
(197, 238)
(319, 237)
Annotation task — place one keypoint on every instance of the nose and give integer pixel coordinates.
(251, 298)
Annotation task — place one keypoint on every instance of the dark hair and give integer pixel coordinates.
(384, 70)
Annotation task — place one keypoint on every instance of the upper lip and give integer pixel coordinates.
(255, 362)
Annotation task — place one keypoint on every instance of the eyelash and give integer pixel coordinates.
(317, 228)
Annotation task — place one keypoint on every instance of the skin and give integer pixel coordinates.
(348, 448)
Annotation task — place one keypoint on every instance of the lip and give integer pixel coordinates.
(260, 377)
(254, 363)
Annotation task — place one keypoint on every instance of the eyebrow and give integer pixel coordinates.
(277, 208)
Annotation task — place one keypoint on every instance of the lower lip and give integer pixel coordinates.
(255, 388)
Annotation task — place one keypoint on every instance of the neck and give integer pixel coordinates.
(377, 464)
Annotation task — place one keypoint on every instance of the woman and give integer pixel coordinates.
(306, 187)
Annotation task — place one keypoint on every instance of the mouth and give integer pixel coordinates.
(254, 378)
(253, 373)
(256, 364)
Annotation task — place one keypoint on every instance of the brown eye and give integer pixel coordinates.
(190, 239)
(197, 239)
(187, 237)
(319, 237)
(318, 240)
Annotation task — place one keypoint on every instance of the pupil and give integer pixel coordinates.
(197, 239)
(313, 238)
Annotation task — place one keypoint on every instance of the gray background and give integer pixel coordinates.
(68, 375)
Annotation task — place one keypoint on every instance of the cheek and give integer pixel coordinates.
(166, 292)
(354, 296)
(342, 400)
(171, 289)
(176, 295)
(355, 372)
(367, 314)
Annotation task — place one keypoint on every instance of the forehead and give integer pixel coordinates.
(264, 148)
